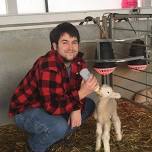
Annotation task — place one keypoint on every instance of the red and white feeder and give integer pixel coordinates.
(105, 52)
(137, 48)
(104, 72)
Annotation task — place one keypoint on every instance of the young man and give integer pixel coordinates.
(51, 99)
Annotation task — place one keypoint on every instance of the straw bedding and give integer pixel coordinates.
(136, 127)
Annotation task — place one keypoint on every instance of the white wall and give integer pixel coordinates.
(81, 5)
(2, 7)
(28, 6)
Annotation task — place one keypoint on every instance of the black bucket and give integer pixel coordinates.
(106, 52)
(137, 48)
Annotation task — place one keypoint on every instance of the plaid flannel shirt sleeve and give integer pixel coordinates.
(23, 93)
(26, 94)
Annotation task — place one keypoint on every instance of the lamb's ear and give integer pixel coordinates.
(97, 90)
(116, 95)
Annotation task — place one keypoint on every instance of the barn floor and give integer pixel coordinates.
(136, 127)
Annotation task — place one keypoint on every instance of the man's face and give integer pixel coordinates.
(67, 47)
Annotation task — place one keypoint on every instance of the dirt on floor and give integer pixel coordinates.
(136, 128)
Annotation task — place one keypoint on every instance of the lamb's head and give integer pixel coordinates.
(107, 91)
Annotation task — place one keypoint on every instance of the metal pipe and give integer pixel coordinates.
(117, 60)
(132, 80)
(112, 40)
(117, 16)
(46, 6)
(33, 24)
(124, 29)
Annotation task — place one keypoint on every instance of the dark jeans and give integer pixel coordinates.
(46, 129)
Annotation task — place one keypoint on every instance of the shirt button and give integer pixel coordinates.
(77, 73)
(79, 63)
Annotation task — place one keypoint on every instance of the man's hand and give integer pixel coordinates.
(75, 119)
(88, 86)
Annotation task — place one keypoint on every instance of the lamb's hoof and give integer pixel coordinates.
(107, 150)
(97, 149)
(119, 137)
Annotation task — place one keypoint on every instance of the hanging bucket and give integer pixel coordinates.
(137, 48)
(106, 52)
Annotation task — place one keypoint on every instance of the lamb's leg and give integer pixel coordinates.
(117, 126)
(106, 136)
(98, 136)
(95, 114)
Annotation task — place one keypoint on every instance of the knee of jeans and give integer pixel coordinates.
(54, 134)
(35, 126)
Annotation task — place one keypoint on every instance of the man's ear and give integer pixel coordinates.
(54, 46)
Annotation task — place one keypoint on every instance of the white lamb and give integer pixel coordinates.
(106, 111)
(144, 97)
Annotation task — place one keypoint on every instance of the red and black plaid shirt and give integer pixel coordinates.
(48, 85)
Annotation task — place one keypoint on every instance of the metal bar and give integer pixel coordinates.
(110, 29)
(120, 16)
(137, 30)
(40, 23)
(46, 6)
(112, 40)
(132, 80)
(150, 36)
(110, 26)
(117, 60)
(131, 26)
(146, 71)
(98, 51)
(115, 85)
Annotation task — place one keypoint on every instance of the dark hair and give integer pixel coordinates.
(62, 28)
